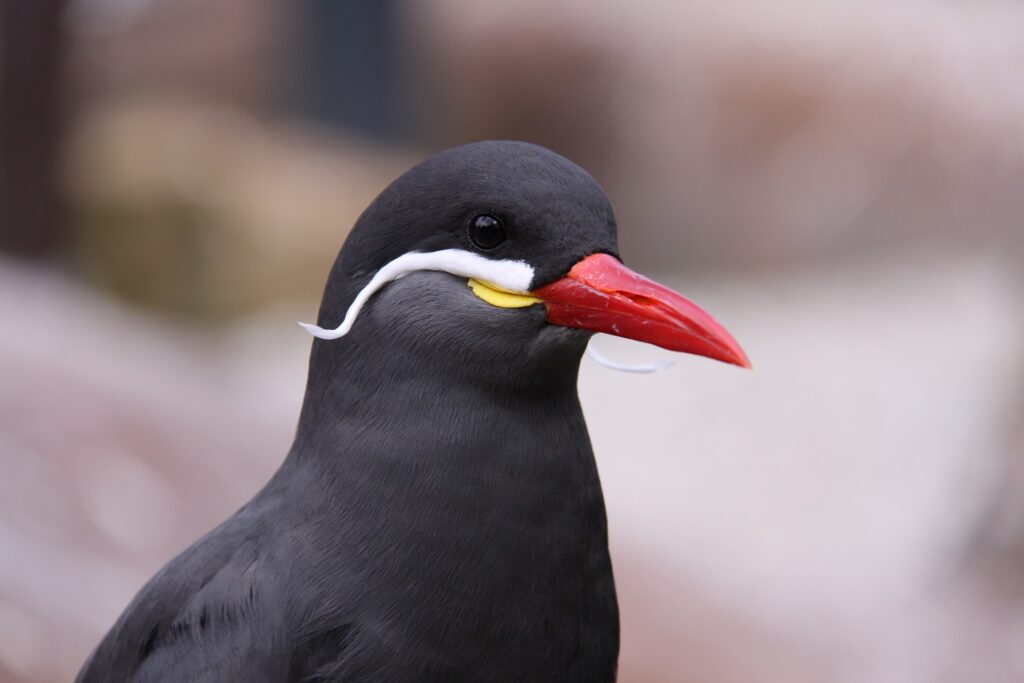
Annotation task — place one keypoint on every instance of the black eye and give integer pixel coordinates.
(486, 232)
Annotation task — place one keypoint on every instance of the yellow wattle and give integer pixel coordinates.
(502, 298)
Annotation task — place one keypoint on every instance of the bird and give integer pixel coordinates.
(439, 515)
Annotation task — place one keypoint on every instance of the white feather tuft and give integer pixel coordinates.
(642, 369)
(515, 276)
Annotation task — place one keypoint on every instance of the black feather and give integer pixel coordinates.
(439, 516)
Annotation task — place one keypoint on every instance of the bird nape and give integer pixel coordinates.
(439, 516)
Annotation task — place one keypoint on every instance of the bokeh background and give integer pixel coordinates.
(841, 183)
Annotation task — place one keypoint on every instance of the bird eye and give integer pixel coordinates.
(486, 232)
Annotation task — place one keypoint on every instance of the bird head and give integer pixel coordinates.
(501, 247)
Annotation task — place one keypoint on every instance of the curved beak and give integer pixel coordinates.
(602, 295)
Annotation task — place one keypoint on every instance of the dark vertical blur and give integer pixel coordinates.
(347, 72)
(30, 125)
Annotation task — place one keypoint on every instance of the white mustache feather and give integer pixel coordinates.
(512, 275)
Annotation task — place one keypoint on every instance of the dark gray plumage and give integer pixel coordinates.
(439, 516)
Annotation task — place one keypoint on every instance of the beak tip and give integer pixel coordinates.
(738, 358)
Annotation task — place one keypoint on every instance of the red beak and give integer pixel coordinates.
(602, 295)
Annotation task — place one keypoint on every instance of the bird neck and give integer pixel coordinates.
(378, 419)
(459, 489)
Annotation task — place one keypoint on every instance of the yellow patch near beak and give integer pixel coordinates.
(500, 297)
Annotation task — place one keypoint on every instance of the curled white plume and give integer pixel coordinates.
(643, 369)
(512, 275)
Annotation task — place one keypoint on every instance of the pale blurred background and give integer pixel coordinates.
(841, 183)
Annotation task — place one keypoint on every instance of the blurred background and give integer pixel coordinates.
(841, 184)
